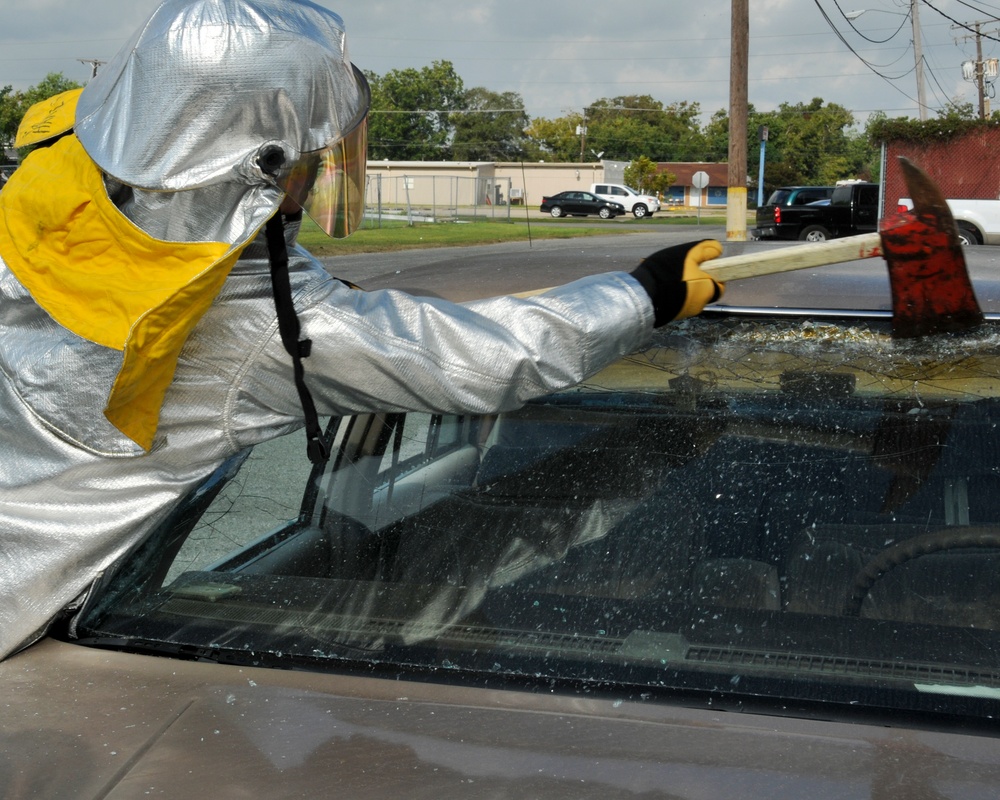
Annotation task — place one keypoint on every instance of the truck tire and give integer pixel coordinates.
(814, 233)
(967, 234)
(639, 210)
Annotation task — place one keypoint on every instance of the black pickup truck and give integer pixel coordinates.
(851, 209)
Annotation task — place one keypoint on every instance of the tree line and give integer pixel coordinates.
(14, 104)
(428, 114)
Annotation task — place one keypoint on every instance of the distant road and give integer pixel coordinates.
(468, 273)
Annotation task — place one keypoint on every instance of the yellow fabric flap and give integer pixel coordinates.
(48, 118)
(104, 279)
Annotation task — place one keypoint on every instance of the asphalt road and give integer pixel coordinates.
(467, 273)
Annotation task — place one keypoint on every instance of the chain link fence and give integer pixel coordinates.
(435, 198)
(964, 166)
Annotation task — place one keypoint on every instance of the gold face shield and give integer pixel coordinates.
(329, 183)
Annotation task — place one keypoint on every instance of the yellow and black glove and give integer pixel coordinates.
(674, 282)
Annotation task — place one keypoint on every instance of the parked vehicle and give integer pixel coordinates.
(580, 204)
(770, 218)
(799, 195)
(758, 558)
(852, 209)
(978, 221)
(638, 204)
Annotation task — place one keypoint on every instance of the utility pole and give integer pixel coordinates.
(918, 58)
(94, 64)
(979, 70)
(736, 196)
(980, 82)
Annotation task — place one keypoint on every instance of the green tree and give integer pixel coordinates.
(958, 119)
(959, 111)
(554, 139)
(627, 127)
(13, 104)
(410, 118)
(808, 143)
(10, 116)
(490, 127)
(809, 140)
(642, 174)
(716, 136)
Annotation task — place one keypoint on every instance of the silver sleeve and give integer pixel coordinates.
(390, 351)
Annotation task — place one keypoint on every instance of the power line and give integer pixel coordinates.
(887, 78)
(850, 22)
(873, 67)
(977, 10)
(946, 101)
(957, 24)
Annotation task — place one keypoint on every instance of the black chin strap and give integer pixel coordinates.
(289, 328)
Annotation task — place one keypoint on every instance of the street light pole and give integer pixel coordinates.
(918, 57)
(762, 132)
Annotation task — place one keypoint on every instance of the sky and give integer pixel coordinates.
(561, 55)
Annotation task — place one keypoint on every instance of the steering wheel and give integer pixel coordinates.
(900, 553)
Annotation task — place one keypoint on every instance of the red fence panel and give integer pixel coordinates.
(967, 166)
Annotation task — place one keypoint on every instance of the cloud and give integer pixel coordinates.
(564, 54)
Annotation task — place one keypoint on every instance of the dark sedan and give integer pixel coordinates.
(581, 204)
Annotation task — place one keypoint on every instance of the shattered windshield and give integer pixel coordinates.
(764, 510)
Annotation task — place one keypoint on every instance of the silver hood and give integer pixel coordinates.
(203, 86)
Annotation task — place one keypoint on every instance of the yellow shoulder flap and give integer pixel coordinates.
(104, 279)
(48, 118)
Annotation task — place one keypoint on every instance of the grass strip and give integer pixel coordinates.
(396, 235)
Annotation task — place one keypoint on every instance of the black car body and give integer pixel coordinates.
(772, 221)
(758, 558)
(852, 209)
(580, 204)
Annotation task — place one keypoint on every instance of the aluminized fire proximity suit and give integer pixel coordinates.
(139, 346)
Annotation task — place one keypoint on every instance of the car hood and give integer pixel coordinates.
(85, 723)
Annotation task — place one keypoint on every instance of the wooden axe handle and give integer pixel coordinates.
(787, 259)
(814, 254)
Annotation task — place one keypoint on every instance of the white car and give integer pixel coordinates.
(640, 205)
(978, 220)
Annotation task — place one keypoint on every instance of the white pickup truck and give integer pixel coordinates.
(978, 220)
(641, 205)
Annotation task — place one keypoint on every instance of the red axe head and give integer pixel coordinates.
(931, 290)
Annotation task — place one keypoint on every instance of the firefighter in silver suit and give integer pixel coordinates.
(141, 255)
